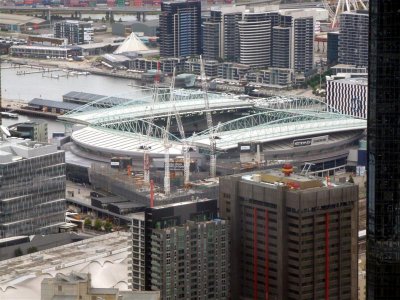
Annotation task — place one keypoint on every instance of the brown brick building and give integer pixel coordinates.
(292, 238)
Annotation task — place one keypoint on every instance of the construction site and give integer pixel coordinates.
(172, 145)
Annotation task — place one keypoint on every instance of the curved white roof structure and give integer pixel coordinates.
(185, 102)
(122, 130)
(274, 124)
(21, 277)
(118, 143)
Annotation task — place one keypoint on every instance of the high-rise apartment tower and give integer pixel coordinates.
(292, 237)
(353, 38)
(180, 28)
(383, 206)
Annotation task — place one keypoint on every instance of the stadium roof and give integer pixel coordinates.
(274, 124)
(186, 101)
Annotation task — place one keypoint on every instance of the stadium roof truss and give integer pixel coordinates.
(185, 102)
(278, 118)
(131, 126)
(276, 125)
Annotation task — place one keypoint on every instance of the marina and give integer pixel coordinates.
(37, 86)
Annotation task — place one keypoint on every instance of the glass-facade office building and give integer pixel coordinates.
(180, 28)
(383, 246)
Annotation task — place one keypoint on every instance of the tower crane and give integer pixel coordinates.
(186, 155)
(213, 156)
(167, 145)
(146, 147)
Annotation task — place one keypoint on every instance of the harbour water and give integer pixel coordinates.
(26, 87)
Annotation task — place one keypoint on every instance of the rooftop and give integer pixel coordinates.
(105, 257)
(15, 149)
(13, 19)
(295, 181)
(52, 103)
(182, 203)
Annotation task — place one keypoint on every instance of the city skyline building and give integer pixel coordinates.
(174, 241)
(221, 34)
(77, 32)
(292, 237)
(353, 38)
(213, 37)
(348, 93)
(180, 28)
(383, 198)
(293, 42)
(32, 197)
(191, 261)
(255, 39)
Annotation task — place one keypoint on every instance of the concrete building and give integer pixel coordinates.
(180, 28)
(292, 237)
(272, 77)
(148, 28)
(255, 39)
(18, 23)
(45, 52)
(191, 261)
(353, 39)
(347, 94)
(157, 249)
(79, 286)
(212, 37)
(77, 32)
(282, 56)
(32, 195)
(221, 34)
(293, 42)
(104, 256)
(232, 71)
(33, 130)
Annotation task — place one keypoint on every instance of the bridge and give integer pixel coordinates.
(47, 12)
(139, 11)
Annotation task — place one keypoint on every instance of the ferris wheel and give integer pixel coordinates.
(336, 7)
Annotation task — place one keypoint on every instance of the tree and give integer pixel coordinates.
(31, 250)
(88, 222)
(98, 224)
(351, 179)
(18, 252)
(108, 226)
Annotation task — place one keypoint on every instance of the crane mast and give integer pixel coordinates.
(185, 148)
(146, 156)
(213, 157)
(167, 145)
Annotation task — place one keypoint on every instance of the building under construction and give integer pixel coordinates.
(32, 195)
(216, 134)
